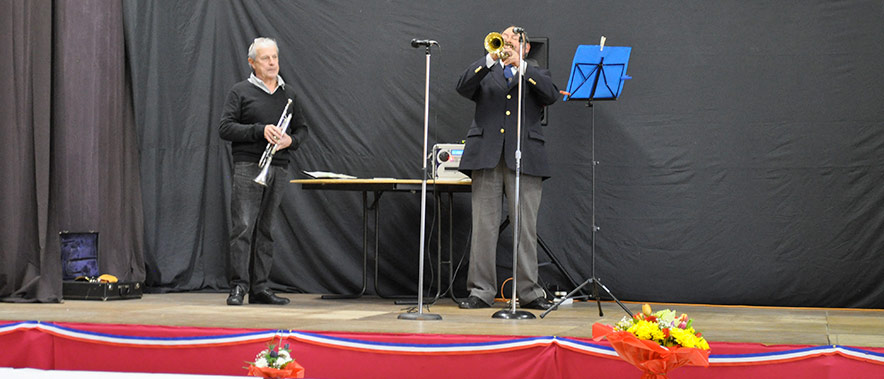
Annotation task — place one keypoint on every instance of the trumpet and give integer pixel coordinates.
(494, 45)
(270, 150)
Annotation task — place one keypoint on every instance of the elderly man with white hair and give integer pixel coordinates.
(252, 109)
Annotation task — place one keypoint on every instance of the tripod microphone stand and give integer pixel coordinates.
(513, 313)
(420, 315)
(592, 58)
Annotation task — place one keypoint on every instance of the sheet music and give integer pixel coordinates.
(327, 175)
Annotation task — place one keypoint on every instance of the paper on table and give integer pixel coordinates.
(327, 175)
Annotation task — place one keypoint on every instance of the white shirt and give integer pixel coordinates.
(490, 62)
(260, 83)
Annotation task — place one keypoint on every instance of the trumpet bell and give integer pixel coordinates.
(494, 45)
(262, 177)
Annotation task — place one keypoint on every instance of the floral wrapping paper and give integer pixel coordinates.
(654, 360)
(291, 370)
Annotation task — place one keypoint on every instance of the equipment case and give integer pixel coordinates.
(79, 259)
(101, 291)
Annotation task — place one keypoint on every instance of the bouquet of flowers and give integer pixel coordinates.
(274, 362)
(656, 342)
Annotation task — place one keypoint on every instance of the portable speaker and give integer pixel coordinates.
(446, 159)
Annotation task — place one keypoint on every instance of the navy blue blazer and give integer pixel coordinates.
(493, 131)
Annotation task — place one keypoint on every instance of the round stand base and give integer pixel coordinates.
(419, 316)
(509, 314)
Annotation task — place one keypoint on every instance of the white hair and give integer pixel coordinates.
(261, 42)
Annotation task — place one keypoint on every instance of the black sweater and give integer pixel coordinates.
(248, 109)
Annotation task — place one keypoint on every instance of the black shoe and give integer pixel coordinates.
(540, 303)
(236, 295)
(473, 303)
(267, 297)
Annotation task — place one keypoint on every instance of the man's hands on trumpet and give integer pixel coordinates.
(511, 47)
(512, 56)
(275, 136)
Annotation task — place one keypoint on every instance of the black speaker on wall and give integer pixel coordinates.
(539, 55)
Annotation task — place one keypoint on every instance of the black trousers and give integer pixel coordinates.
(253, 210)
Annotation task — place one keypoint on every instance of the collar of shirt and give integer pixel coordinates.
(512, 68)
(260, 83)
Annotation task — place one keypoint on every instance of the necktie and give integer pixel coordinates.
(508, 72)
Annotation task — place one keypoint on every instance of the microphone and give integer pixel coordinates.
(423, 42)
(518, 30)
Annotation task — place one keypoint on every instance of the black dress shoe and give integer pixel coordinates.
(473, 302)
(540, 303)
(267, 297)
(236, 295)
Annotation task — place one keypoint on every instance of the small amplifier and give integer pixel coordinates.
(446, 159)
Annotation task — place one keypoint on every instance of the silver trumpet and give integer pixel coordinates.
(270, 150)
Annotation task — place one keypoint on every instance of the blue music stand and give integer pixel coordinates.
(597, 73)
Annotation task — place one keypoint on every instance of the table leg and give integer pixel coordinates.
(438, 198)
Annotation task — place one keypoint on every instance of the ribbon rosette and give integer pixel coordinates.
(291, 370)
(654, 360)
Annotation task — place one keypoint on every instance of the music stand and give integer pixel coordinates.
(597, 73)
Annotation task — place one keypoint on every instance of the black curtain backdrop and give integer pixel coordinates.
(69, 154)
(741, 165)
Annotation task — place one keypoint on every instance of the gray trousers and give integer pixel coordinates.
(488, 188)
(253, 208)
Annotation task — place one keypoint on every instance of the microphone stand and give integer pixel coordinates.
(420, 315)
(512, 313)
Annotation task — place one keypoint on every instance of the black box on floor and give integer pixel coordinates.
(101, 291)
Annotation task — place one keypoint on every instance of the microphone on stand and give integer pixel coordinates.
(518, 30)
(423, 42)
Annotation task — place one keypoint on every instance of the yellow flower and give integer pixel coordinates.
(642, 328)
(703, 344)
(646, 330)
(682, 337)
(687, 338)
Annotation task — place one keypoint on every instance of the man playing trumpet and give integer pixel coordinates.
(250, 111)
(489, 159)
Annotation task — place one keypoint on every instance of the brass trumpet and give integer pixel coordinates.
(494, 45)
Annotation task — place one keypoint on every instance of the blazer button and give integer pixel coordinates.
(501, 130)
(507, 113)
(509, 97)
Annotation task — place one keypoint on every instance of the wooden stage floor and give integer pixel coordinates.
(308, 312)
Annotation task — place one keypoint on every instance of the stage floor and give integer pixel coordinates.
(308, 312)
